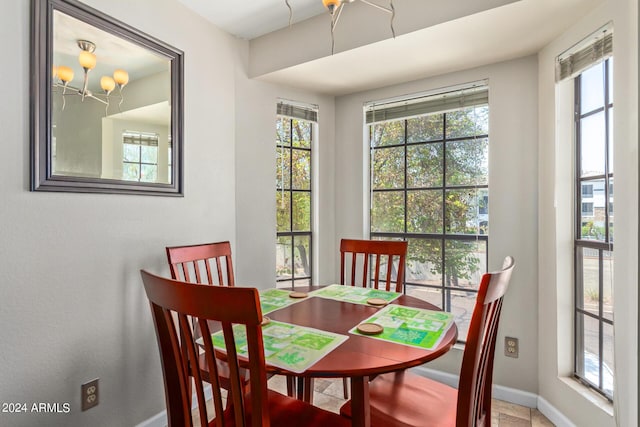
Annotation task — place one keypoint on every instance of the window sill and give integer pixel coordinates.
(592, 396)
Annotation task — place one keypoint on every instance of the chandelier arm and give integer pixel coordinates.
(386, 9)
(393, 17)
(85, 84)
(290, 11)
(337, 16)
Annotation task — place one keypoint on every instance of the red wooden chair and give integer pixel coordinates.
(207, 263)
(174, 305)
(195, 263)
(361, 251)
(405, 399)
(355, 258)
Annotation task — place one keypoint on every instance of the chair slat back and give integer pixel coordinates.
(355, 269)
(173, 304)
(204, 263)
(474, 390)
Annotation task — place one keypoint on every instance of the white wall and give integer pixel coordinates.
(256, 180)
(72, 306)
(512, 202)
(555, 219)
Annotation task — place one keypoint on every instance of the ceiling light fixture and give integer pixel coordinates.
(335, 9)
(63, 74)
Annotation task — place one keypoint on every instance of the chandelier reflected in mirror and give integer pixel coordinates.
(62, 75)
(335, 8)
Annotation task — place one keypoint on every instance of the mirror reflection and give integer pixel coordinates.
(111, 106)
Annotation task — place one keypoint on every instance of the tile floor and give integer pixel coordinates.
(328, 395)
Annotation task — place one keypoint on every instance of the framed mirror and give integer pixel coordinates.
(106, 105)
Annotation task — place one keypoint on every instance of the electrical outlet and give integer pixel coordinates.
(90, 394)
(511, 347)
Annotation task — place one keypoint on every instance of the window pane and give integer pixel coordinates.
(424, 211)
(387, 211)
(593, 210)
(283, 258)
(592, 144)
(301, 170)
(283, 211)
(301, 220)
(468, 162)
(588, 296)
(388, 168)
(283, 176)
(301, 133)
(431, 295)
(302, 256)
(589, 357)
(148, 173)
(149, 154)
(388, 133)
(607, 285)
(283, 131)
(465, 262)
(131, 153)
(425, 128)
(468, 122)
(592, 89)
(461, 211)
(131, 171)
(424, 165)
(608, 361)
(611, 140)
(460, 304)
(424, 262)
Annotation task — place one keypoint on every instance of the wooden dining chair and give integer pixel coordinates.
(207, 263)
(361, 263)
(405, 399)
(203, 263)
(174, 304)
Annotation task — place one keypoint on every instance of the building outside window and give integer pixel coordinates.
(139, 156)
(294, 146)
(429, 186)
(594, 258)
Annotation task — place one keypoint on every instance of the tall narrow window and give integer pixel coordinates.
(429, 186)
(294, 143)
(139, 156)
(594, 228)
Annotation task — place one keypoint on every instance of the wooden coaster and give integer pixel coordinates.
(265, 320)
(376, 301)
(370, 328)
(298, 295)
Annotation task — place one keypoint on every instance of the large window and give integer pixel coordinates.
(594, 228)
(294, 141)
(429, 186)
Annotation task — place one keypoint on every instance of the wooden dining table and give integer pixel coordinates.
(359, 357)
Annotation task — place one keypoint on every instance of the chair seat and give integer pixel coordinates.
(285, 411)
(403, 399)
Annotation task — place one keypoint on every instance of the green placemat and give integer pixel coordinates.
(275, 299)
(354, 294)
(291, 347)
(415, 327)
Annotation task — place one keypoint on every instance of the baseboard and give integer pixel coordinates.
(553, 415)
(508, 394)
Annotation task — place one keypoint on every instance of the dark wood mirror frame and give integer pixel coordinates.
(42, 178)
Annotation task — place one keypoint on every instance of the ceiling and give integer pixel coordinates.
(502, 33)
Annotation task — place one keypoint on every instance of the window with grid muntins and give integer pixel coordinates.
(294, 235)
(429, 186)
(593, 244)
(140, 156)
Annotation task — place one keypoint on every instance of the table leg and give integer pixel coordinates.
(360, 410)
